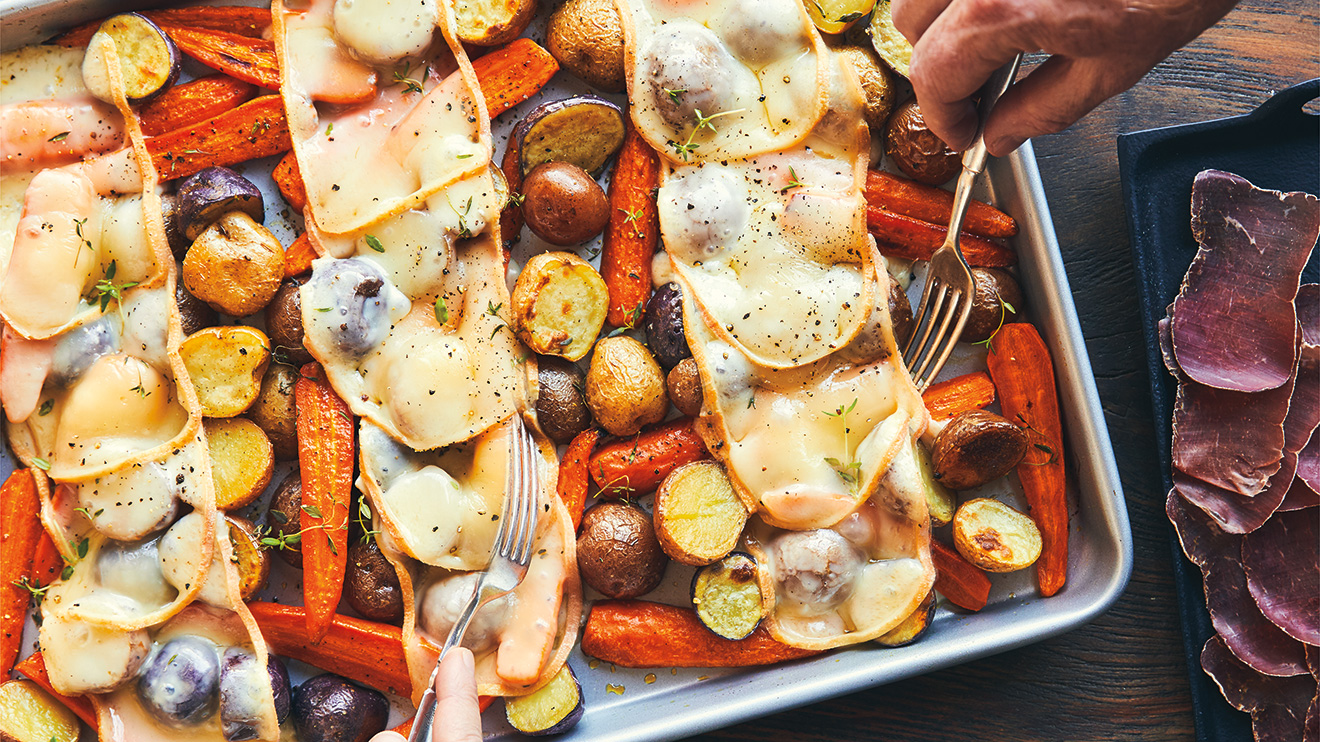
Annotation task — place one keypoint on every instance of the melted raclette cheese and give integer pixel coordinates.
(757, 66)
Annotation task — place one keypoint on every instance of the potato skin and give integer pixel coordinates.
(625, 387)
(586, 38)
(564, 205)
(194, 314)
(996, 291)
(900, 314)
(876, 85)
(664, 326)
(916, 150)
(994, 536)
(684, 386)
(284, 323)
(492, 22)
(617, 551)
(559, 305)
(561, 405)
(284, 514)
(371, 584)
(235, 265)
(253, 561)
(275, 411)
(977, 447)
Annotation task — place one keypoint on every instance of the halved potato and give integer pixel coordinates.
(553, 709)
(241, 461)
(492, 22)
(913, 627)
(891, 45)
(226, 365)
(977, 447)
(30, 714)
(276, 413)
(235, 265)
(252, 561)
(727, 596)
(837, 16)
(698, 516)
(559, 305)
(994, 536)
(584, 130)
(149, 62)
(939, 500)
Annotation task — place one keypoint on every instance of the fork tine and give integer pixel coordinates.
(944, 339)
(526, 507)
(918, 339)
(926, 336)
(511, 487)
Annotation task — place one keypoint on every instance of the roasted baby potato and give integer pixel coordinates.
(252, 561)
(226, 365)
(284, 516)
(684, 386)
(194, 314)
(916, 150)
(995, 303)
(284, 323)
(235, 265)
(553, 709)
(71, 647)
(837, 16)
(913, 627)
(563, 205)
(900, 314)
(210, 194)
(561, 404)
(876, 85)
(241, 461)
(727, 596)
(977, 447)
(617, 551)
(492, 22)
(586, 38)
(698, 516)
(625, 387)
(892, 46)
(994, 536)
(663, 324)
(559, 305)
(584, 130)
(275, 411)
(149, 62)
(939, 500)
(30, 714)
(371, 584)
(331, 708)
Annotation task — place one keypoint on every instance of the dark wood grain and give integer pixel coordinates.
(1123, 677)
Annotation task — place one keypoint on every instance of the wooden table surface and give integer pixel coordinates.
(1124, 675)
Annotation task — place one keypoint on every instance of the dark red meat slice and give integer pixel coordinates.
(1165, 331)
(1308, 312)
(1231, 511)
(1308, 464)
(1246, 632)
(1282, 563)
(1232, 440)
(1233, 318)
(1202, 541)
(1275, 723)
(1299, 496)
(1247, 690)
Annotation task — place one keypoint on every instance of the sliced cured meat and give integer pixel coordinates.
(1247, 690)
(1201, 539)
(1275, 723)
(1233, 512)
(1233, 318)
(1232, 440)
(1283, 573)
(1165, 329)
(1300, 496)
(1308, 312)
(1308, 464)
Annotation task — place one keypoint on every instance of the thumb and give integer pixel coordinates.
(1050, 99)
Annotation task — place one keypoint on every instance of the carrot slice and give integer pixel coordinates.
(248, 59)
(34, 668)
(573, 473)
(20, 532)
(513, 73)
(511, 218)
(255, 129)
(633, 231)
(1019, 363)
(957, 579)
(640, 463)
(370, 653)
(913, 239)
(298, 258)
(193, 102)
(951, 398)
(237, 19)
(47, 564)
(325, 460)
(935, 205)
(638, 633)
(288, 178)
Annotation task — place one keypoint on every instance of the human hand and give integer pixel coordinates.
(1097, 48)
(457, 715)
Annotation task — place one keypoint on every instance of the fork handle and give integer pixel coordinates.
(973, 160)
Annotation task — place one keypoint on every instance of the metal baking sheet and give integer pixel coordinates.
(666, 704)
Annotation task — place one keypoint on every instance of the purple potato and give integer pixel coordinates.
(210, 194)
(279, 685)
(664, 326)
(330, 708)
(179, 683)
(241, 707)
(554, 709)
(583, 130)
(149, 61)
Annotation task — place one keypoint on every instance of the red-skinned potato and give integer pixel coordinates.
(563, 205)
(916, 150)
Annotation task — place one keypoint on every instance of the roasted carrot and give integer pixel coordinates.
(288, 178)
(47, 564)
(573, 477)
(957, 579)
(640, 463)
(236, 19)
(513, 73)
(904, 237)
(34, 668)
(20, 531)
(368, 652)
(248, 59)
(633, 231)
(511, 218)
(638, 633)
(1019, 363)
(948, 399)
(298, 258)
(930, 204)
(193, 102)
(325, 460)
(255, 129)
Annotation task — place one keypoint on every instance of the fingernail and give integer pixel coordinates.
(964, 131)
(465, 662)
(1003, 146)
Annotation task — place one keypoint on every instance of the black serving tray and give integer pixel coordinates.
(1277, 146)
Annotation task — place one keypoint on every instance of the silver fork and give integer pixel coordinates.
(946, 301)
(508, 563)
